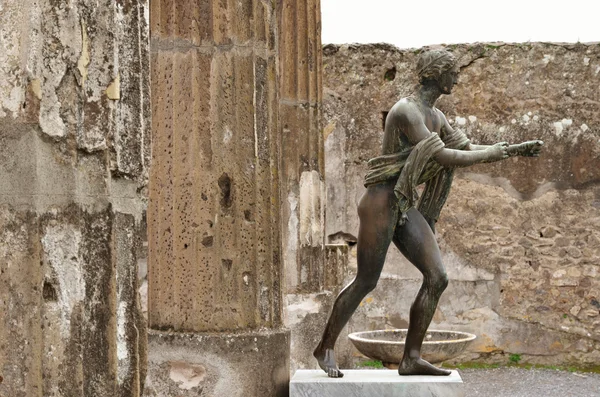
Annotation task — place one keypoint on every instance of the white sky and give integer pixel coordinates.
(415, 23)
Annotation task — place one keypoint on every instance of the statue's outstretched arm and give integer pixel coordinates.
(525, 149)
(416, 130)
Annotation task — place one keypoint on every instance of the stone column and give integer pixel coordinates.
(302, 165)
(313, 272)
(215, 271)
(74, 113)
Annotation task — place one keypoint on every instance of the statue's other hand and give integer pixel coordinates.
(531, 148)
(498, 151)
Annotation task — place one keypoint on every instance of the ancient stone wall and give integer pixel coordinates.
(520, 238)
(74, 149)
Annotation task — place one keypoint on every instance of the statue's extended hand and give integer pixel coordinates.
(497, 152)
(530, 148)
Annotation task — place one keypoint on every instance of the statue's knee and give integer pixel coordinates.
(439, 281)
(443, 281)
(368, 284)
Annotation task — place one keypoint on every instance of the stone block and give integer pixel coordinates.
(254, 363)
(380, 383)
(336, 266)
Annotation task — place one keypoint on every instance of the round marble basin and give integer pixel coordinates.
(388, 345)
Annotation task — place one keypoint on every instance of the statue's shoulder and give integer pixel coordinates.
(403, 105)
(405, 109)
(440, 113)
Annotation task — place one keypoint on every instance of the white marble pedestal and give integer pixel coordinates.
(374, 383)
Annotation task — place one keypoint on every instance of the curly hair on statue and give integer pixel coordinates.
(433, 63)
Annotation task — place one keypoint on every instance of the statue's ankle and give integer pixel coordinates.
(411, 358)
(319, 351)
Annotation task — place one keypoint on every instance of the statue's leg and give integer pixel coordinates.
(378, 217)
(417, 243)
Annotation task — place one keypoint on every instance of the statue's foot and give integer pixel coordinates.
(420, 367)
(326, 360)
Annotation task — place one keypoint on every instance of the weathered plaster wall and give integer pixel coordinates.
(521, 238)
(73, 156)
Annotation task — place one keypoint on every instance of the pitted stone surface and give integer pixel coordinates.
(214, 216)
(214, 211)
(374, 383)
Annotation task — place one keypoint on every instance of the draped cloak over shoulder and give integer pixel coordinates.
(413, 166)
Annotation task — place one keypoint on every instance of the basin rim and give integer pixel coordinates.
(356, 336)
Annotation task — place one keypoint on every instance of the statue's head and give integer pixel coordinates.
(438, 67)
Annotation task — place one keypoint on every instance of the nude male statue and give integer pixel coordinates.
(419, 146)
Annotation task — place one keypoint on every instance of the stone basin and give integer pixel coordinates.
(388, 345)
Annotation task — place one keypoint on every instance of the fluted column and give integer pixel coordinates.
(214, 253)
(214, 213)
(302, 171)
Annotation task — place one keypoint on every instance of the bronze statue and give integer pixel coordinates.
(419, 146)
